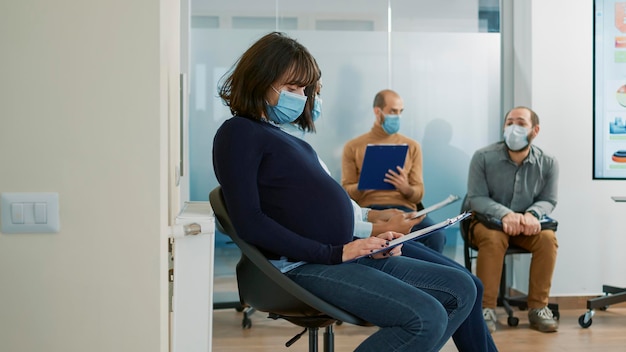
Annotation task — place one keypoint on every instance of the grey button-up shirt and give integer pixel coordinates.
(496, 186)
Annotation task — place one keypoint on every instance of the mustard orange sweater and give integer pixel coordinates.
(352, 162)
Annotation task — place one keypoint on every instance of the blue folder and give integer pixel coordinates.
(378, 159)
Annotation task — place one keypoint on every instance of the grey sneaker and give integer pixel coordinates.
(489, 314)
(542, 320)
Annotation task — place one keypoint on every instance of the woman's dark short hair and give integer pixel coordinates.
(272, 57)
(305, 120)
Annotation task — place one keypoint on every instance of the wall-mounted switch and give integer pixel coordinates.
(17, 213)
(29, 212)
(40, 211)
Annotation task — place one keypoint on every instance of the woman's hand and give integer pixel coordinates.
(397, 250)
(366, 246)
(403, 222)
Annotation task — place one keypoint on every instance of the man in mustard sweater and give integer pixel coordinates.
(408, 181)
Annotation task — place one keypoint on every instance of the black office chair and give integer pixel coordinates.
(263, 287)
(230, 300)
(470, 253)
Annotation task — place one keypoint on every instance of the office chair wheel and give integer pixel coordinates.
(584, 322)
(239, 309)
(604, 308)
(512, 321)
(339, 322)
(246, 323)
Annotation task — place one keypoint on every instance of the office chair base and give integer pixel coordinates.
(612, 295)
(329, 339)
(312, 325)
(246, 322)
(521, 303)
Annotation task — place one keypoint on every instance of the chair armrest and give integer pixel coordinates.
(547, 223)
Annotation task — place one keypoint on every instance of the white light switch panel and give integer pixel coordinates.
(29, 212)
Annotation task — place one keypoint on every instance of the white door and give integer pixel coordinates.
(191, 264)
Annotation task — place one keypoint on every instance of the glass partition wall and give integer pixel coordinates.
(442, 57)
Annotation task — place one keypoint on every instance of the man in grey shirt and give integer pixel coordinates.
(515, 182)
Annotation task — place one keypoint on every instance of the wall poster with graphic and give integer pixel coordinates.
(609, 90)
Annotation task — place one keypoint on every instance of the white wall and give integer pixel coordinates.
(591, 232)
(81, 114)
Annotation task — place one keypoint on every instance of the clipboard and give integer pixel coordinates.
(420, 233)
(378, 159)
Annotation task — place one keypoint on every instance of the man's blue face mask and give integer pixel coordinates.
(391, 124)
(516, 137)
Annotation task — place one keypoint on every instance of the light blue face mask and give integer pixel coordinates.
(516, 137)
(391, 124)
(294, 129)
(297, 131)
(289, 107)
(317, 109)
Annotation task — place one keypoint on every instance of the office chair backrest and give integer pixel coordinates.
(264, 287)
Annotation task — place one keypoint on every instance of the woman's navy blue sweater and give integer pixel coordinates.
(278, 196)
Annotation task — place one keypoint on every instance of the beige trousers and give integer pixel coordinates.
(492, 245)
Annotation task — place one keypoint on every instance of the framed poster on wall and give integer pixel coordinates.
(609, 90)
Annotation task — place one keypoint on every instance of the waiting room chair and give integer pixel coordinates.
(263, 287)
(470, 253)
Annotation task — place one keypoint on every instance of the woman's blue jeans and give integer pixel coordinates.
(418, 305)
(472, 335)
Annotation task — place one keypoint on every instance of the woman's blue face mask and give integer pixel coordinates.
(297, 131)
(289, 107)
(317, 108)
